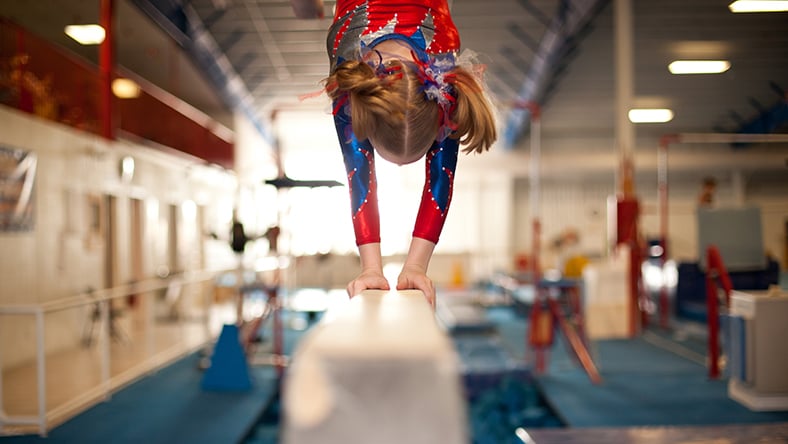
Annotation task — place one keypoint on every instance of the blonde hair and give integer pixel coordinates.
(393, 110)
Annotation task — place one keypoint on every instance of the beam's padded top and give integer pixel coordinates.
(380, 323)
(377, 368)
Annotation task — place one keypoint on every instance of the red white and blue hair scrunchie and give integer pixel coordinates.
(437, 85)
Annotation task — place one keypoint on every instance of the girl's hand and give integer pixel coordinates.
(371, 277)
(414, 277)
(367, 280)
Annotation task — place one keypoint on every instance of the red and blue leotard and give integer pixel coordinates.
(427, 26)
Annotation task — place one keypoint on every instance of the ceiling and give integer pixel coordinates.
(256, 55)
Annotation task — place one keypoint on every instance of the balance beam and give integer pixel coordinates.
(376, 369)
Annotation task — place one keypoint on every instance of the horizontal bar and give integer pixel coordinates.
(20, 420)
(376, 369)
(730, 138)
(121, 291)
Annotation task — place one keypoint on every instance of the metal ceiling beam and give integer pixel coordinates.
(769, 120)
(569, 21)
(269, 43)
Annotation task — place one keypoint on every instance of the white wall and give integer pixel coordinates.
(61, 256)
(581, 203)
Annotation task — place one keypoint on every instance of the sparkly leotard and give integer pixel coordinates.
(427, 26)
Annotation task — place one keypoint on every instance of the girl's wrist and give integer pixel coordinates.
(371, 260)
(419, 255)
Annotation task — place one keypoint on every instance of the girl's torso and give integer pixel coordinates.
(425, 24)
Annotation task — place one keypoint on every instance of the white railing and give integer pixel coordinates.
(167, 319)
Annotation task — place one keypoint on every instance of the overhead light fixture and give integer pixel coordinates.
(758, 6)
(125, 88)
(86, 34)
(650, 115)
(699, 66)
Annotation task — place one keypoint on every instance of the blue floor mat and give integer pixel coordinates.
(642, 385)
(167, 407)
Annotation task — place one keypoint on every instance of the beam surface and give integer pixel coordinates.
(377, 369)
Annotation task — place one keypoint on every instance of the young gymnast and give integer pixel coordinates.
(397, 90)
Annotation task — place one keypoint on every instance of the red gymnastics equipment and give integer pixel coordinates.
(715, 268)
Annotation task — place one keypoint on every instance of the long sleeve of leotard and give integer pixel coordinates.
(441, 162)
(359, 160)
(428, 27)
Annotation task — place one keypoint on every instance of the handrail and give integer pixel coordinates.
(101, 298)
(105, 294)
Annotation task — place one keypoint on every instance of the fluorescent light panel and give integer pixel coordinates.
(758, 6)
(650, 115)
(699, 66)
(86, 34)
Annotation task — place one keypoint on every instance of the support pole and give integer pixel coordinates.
(106, 67)
(534, 183)
(575, 342)
(715, 268)
(625, 132)
(535, 189)
(627, 208)
(41, 373)
(662, 191)
(105, 336)
(712, 324)
(279, 352)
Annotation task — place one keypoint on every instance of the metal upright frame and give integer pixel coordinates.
(541, 296)
(662, 187)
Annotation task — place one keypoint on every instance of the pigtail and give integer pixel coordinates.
(473, 117)
(372, 100)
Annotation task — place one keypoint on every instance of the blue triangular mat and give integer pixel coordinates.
(229, 370)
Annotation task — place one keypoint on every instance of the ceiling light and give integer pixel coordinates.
(699, 66)
(125, 88)
(758, 6)
(650, 115)
(86, 34)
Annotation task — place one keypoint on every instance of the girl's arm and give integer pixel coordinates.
(359, 158)
(441, 162)
(360, 166)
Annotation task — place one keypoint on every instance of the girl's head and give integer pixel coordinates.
(388, 106)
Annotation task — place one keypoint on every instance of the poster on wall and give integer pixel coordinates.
(17, 179)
